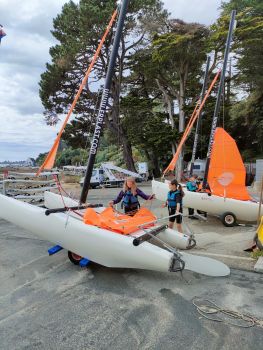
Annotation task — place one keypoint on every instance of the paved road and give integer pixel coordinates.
(48, 303)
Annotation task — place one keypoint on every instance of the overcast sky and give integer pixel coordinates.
(23, 54)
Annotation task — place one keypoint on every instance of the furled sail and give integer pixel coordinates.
(50, 159)
(191, 122)
(227, 173)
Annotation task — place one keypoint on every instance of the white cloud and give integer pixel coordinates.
(23, 55)
(34, 129)
(23, 135)
(201, 11)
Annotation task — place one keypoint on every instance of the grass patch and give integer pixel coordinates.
(71, 179)
(256, 254)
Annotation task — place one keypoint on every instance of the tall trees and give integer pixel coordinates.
(170, 69)
(179, 54)
(247, 111)
(78, 29)
(157, 77)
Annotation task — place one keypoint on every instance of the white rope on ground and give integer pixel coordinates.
(207, 307)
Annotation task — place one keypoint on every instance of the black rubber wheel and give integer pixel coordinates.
(74, 258)
(228, 219)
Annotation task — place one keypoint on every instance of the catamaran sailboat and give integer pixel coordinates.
(228, 197)
(225, 172)
(101, 234)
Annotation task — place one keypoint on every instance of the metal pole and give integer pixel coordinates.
(219, 95)
(104, 102)
(198, 125)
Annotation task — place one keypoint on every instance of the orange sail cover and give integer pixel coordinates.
(227, 173)
(117, 222)
(50, 159)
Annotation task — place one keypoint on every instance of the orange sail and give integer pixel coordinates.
(190, 124)
(50, 159)
(227, 173)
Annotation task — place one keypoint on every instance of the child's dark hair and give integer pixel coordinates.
(178, 186)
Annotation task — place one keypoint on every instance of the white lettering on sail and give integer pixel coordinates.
(99, 123)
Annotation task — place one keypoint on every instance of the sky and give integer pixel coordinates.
(23, 56)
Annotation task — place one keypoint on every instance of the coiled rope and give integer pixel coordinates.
(207, 307)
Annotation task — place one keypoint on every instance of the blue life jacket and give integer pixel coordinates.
(129, 200)
(171, 198)
(191, 186)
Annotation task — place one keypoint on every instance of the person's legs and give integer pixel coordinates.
(171, 211)
(179, 228)
(130, 211)
(202, 213)
(171, 224)
(191, 211)
(179, 220)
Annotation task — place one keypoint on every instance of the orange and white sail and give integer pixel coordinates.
(227, 173)
(50, 159)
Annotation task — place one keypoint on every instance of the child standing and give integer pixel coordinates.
(175, 204)
(129, 196)
(192, 186)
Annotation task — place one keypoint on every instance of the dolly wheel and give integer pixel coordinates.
(228, 219)
(74, 258)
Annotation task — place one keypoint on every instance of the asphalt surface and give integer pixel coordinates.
(49, 303)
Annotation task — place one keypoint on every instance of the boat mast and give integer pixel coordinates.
(219, 95)
(198, 125)
(104, 102)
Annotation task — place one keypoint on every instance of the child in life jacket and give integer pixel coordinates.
(192, 186)
(129, 196)
(175, 204)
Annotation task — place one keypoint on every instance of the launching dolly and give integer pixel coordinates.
(74, 258)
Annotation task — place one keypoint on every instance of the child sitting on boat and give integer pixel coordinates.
(175, 204)
(129, 196)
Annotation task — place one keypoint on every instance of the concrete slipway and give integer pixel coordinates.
(48, 303)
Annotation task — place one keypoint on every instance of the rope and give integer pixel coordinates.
(60, 190)
(207, 307)
(56, 179)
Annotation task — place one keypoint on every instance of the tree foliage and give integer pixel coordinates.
(78, 29)
(160, 62)
(246, 114)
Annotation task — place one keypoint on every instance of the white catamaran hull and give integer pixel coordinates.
(172, 237)
(215, 205)
(99, 245)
